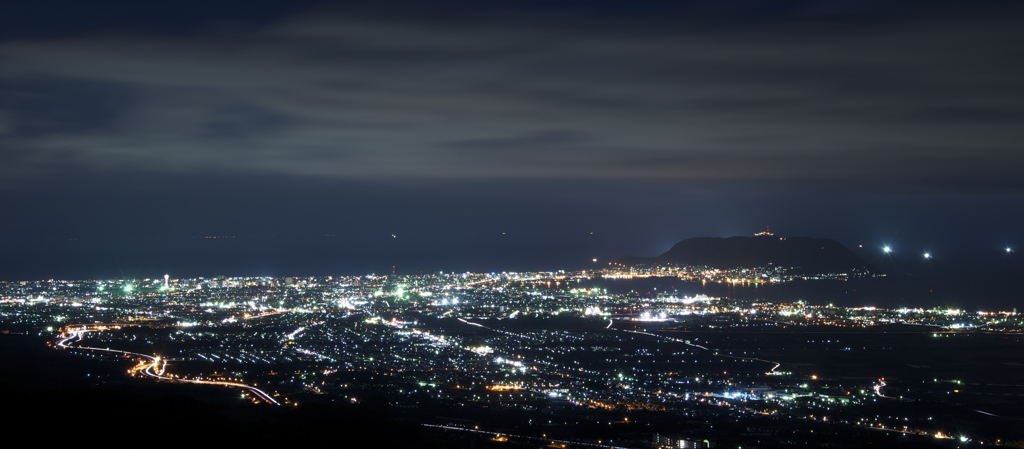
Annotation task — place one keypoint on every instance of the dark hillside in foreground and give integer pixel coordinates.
(81, 399)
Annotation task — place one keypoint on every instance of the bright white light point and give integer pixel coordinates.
(1009, 250)
(887, 249)
(927, 256)
(595, 259)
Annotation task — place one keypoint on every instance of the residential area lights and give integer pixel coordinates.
(519, 341)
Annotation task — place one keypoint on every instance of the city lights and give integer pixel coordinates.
(516, 341)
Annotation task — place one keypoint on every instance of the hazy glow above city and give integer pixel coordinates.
(513, 223)
(349, 138)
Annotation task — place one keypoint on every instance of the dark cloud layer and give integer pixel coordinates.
(322, 94)
(526, 113)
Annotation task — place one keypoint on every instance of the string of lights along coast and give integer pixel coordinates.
(627, 348)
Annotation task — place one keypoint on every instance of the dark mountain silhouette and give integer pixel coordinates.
(803, 254)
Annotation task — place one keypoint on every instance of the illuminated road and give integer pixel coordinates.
(878, 389)
(543, 440)
(155, 366)
(714, 353)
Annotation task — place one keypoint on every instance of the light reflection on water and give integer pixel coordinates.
(887, 292)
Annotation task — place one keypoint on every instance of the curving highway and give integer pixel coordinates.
(152, 366)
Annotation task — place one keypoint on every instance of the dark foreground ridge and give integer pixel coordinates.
(88, 399)
(802, 254)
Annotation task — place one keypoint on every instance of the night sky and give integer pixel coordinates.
(324, 138)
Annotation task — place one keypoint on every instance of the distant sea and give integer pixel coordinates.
(990, 279)
(971, 293)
